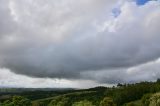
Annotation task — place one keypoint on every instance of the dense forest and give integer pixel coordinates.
(137, 94)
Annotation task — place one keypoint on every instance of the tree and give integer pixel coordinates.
(155, 100)
(83, 103)
(119, 85)
(131, 104)
(21, 101)
(146, 99)
(63, 102)
(107, 102)
(158, 80)
(7, 103)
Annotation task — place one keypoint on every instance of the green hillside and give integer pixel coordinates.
(138, 94)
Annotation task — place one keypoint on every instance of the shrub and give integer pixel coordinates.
(107, 102)
(83, 103)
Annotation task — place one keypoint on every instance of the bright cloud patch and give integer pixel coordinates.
(10, 79)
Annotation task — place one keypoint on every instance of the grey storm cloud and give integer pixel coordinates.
(70, 39)
(145, 72)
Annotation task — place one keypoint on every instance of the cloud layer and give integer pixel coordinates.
(74, 39)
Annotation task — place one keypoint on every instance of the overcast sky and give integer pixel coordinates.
(78, 43)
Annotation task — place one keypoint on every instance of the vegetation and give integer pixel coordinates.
(17, 101)
(107, 102)
(83, 103)
(138, 94)
(154, 100)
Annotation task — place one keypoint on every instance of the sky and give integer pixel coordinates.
(142, 2)
(78, 44)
